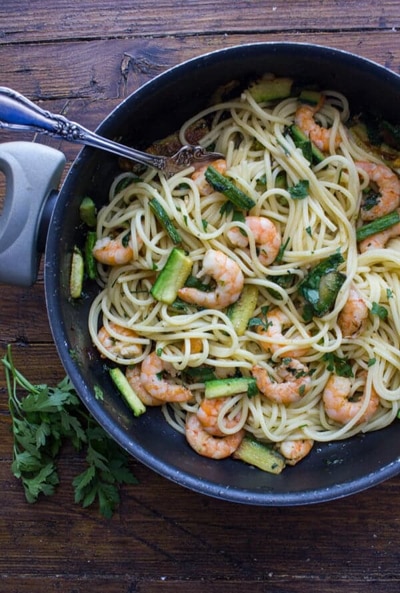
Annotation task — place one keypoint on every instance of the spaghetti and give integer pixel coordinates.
(315, 212)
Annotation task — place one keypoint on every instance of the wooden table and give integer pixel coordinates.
(82, 58)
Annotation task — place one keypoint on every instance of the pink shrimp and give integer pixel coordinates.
(337, 399)
(266, 236)
(276, 321)
(229, 279)
(294, 384)
(132, 374)
(295, 450)
(208, 445)
(209, 413)
(388, 183)
(151, 378)
(112, 252)
(119, 341)
(304, 118)
(200, 180)
(353, 316)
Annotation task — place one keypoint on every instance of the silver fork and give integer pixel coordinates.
(19, 113)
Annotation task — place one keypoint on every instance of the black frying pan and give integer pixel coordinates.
(332, 470)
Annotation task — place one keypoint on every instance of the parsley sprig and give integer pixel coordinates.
(43, 420)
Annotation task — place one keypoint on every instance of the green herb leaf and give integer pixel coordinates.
(371, 199)
(337, 365)
(98, 392)
(300, 190)
(282, 249)
(45, 418)
(379, 310)
(257, 322)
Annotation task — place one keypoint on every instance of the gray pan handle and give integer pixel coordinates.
(32, 173)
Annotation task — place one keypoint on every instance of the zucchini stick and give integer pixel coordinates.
(268, 88)
(215, 388)
(260, 455)
(127, 392)
(225, 186)
(76, 274)
(165, 221)
(90, 262)
(378, 225)
(88, 212)
(242, 310)
(172, 277)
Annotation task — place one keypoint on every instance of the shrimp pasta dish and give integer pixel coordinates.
(256, 299)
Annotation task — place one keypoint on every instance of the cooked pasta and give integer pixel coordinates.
(313, 216)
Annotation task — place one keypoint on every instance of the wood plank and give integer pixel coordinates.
(24, 21)
(160, 537)
(130, 583)
(28, 355)
(23, 315)
(107, 71)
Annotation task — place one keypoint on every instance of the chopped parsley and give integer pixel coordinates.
(337, 365)
(300, 190)
(379, 310)
(371, 199)
(281, 251)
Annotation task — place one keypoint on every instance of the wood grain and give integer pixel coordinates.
(86, 74)
(34, 21)
(82, 59)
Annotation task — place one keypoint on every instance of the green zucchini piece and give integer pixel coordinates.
(242, 310)
(329, 287)
(268, 88)
(310, 97)
(199, 374)
(172, 277)
(260, 455)
(310, 150)
(76, 274)
(281, 180)
(88, 212)
(126, 182)
(230, 386)
(165, 221)
(225, 186)
(378, 225)
(321, 286)
(129, 395)
(90, 262)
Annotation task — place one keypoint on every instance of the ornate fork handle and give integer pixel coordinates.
(19, 113)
